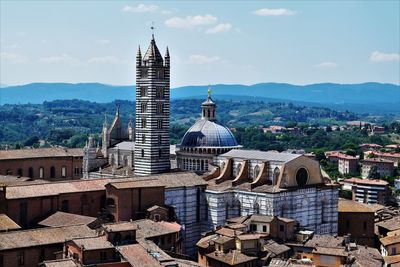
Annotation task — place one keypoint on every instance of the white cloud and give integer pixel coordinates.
(64, 58)
(378, 56)
(327, 65)
(13, 58)
(223, 27)
(274, 12)
(190, 21)
(104, 60)
(202, 59)
(103, 41)
(140, 8)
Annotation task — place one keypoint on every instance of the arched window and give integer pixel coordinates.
(52, 172)
(302, 176)
(159, 124)
(160, 93)
(256, 208)
(144, 123)
(208, 113)
(63, 171)
(143, 91)
(143, 107)
(277, 172)
(41, 172)
(143, 138)
(142, 152)
(159, 139)
(256, 171)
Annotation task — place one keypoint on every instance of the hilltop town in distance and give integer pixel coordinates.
(210, 176)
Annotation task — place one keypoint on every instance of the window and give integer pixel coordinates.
(160, 108)
(143, 91)
(143, 107)
(159, 153)
(52, 172)
(159, 124)
(143, 138)
(103, 255)
(365, 225)
(41, 172)
(63, 171)
(302, 176)
(23, 214)
(160, 93)
(159, 139)
(264, 228)
(253, 227)
(281, 228)
(21, 258)
(142, 152)
(65, 206)
(160, 74)
(19, 172)
(394, 252)
(42, 255)
(144, 123)
(30, 172)
(256, 171)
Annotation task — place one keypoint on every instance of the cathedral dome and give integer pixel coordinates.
(207, 133)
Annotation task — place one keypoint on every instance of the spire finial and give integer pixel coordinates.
(118, 105)
(152, 30)
(209, 91)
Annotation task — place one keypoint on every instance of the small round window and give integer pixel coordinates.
(301, 177)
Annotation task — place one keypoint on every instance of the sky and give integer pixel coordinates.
(210, 42)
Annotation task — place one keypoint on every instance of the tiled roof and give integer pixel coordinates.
(40, 153)
(391, 224)
(330, 251)
(148, 228)
(65, 219)
(324, 241)
(228, 232)
(222, 239)
(7, 224)
(389, 240)
(206, 241)
(392, 259)
(6, 180)
(138, 184)
(55, 188)
(367, 256)
(244, 237)
(93, 243)
(376, 160)
(43, 236)
(59, 263)
(261, 218)
(136, 255)
(260, 155)
(353, 206)
(120, 226)
(231, 258)
(275, 248)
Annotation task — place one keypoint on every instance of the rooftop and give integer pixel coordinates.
(222, 239)
(377, 160)
(43, 236)
(391, 224)
(325, 241)
(148, 228)
(228, 232)
(206, 241)
(7, 224)
(261, 218)
(138, 184)
(40, 153)
(389, 240)
(330, 251)
(260, 155)
(392, 259)
(355, 180)
(120, 226)
(93, 243)
(59, 263)
(66, 219)
(231, 258)
(245, 237)
(275, 248)
(353, 206)
(136, 255)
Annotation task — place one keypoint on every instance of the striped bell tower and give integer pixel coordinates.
(152, 111)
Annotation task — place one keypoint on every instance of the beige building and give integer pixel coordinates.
(383, 166)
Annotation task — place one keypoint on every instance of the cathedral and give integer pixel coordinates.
(238, 182)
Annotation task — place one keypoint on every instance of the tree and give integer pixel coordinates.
(373, 173)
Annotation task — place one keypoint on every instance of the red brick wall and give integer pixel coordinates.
(69, 162)
(353, 223)
(31, 255)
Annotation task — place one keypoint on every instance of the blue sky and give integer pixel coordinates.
(299, 42)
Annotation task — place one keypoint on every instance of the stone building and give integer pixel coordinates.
(274, 184)
(206, 139)
(54, 163)
(382, 166)
(152, 111)
(347, 164)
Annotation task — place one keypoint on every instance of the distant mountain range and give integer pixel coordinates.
(365, 97)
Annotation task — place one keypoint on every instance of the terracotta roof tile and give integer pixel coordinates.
(353, 206)
(66, 219)
(120, 226)
(93, 243)
(231, 258)
(7, 224)
(40, 153)
(389, 240)
(148, 228)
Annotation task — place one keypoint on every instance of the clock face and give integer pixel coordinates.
(301, 177)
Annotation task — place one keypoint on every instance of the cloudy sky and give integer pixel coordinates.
(209, 42)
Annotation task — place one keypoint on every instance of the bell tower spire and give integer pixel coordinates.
(208, 107)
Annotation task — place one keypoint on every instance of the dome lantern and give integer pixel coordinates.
(209, 108)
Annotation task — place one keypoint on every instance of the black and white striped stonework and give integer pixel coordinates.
(152, 143)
